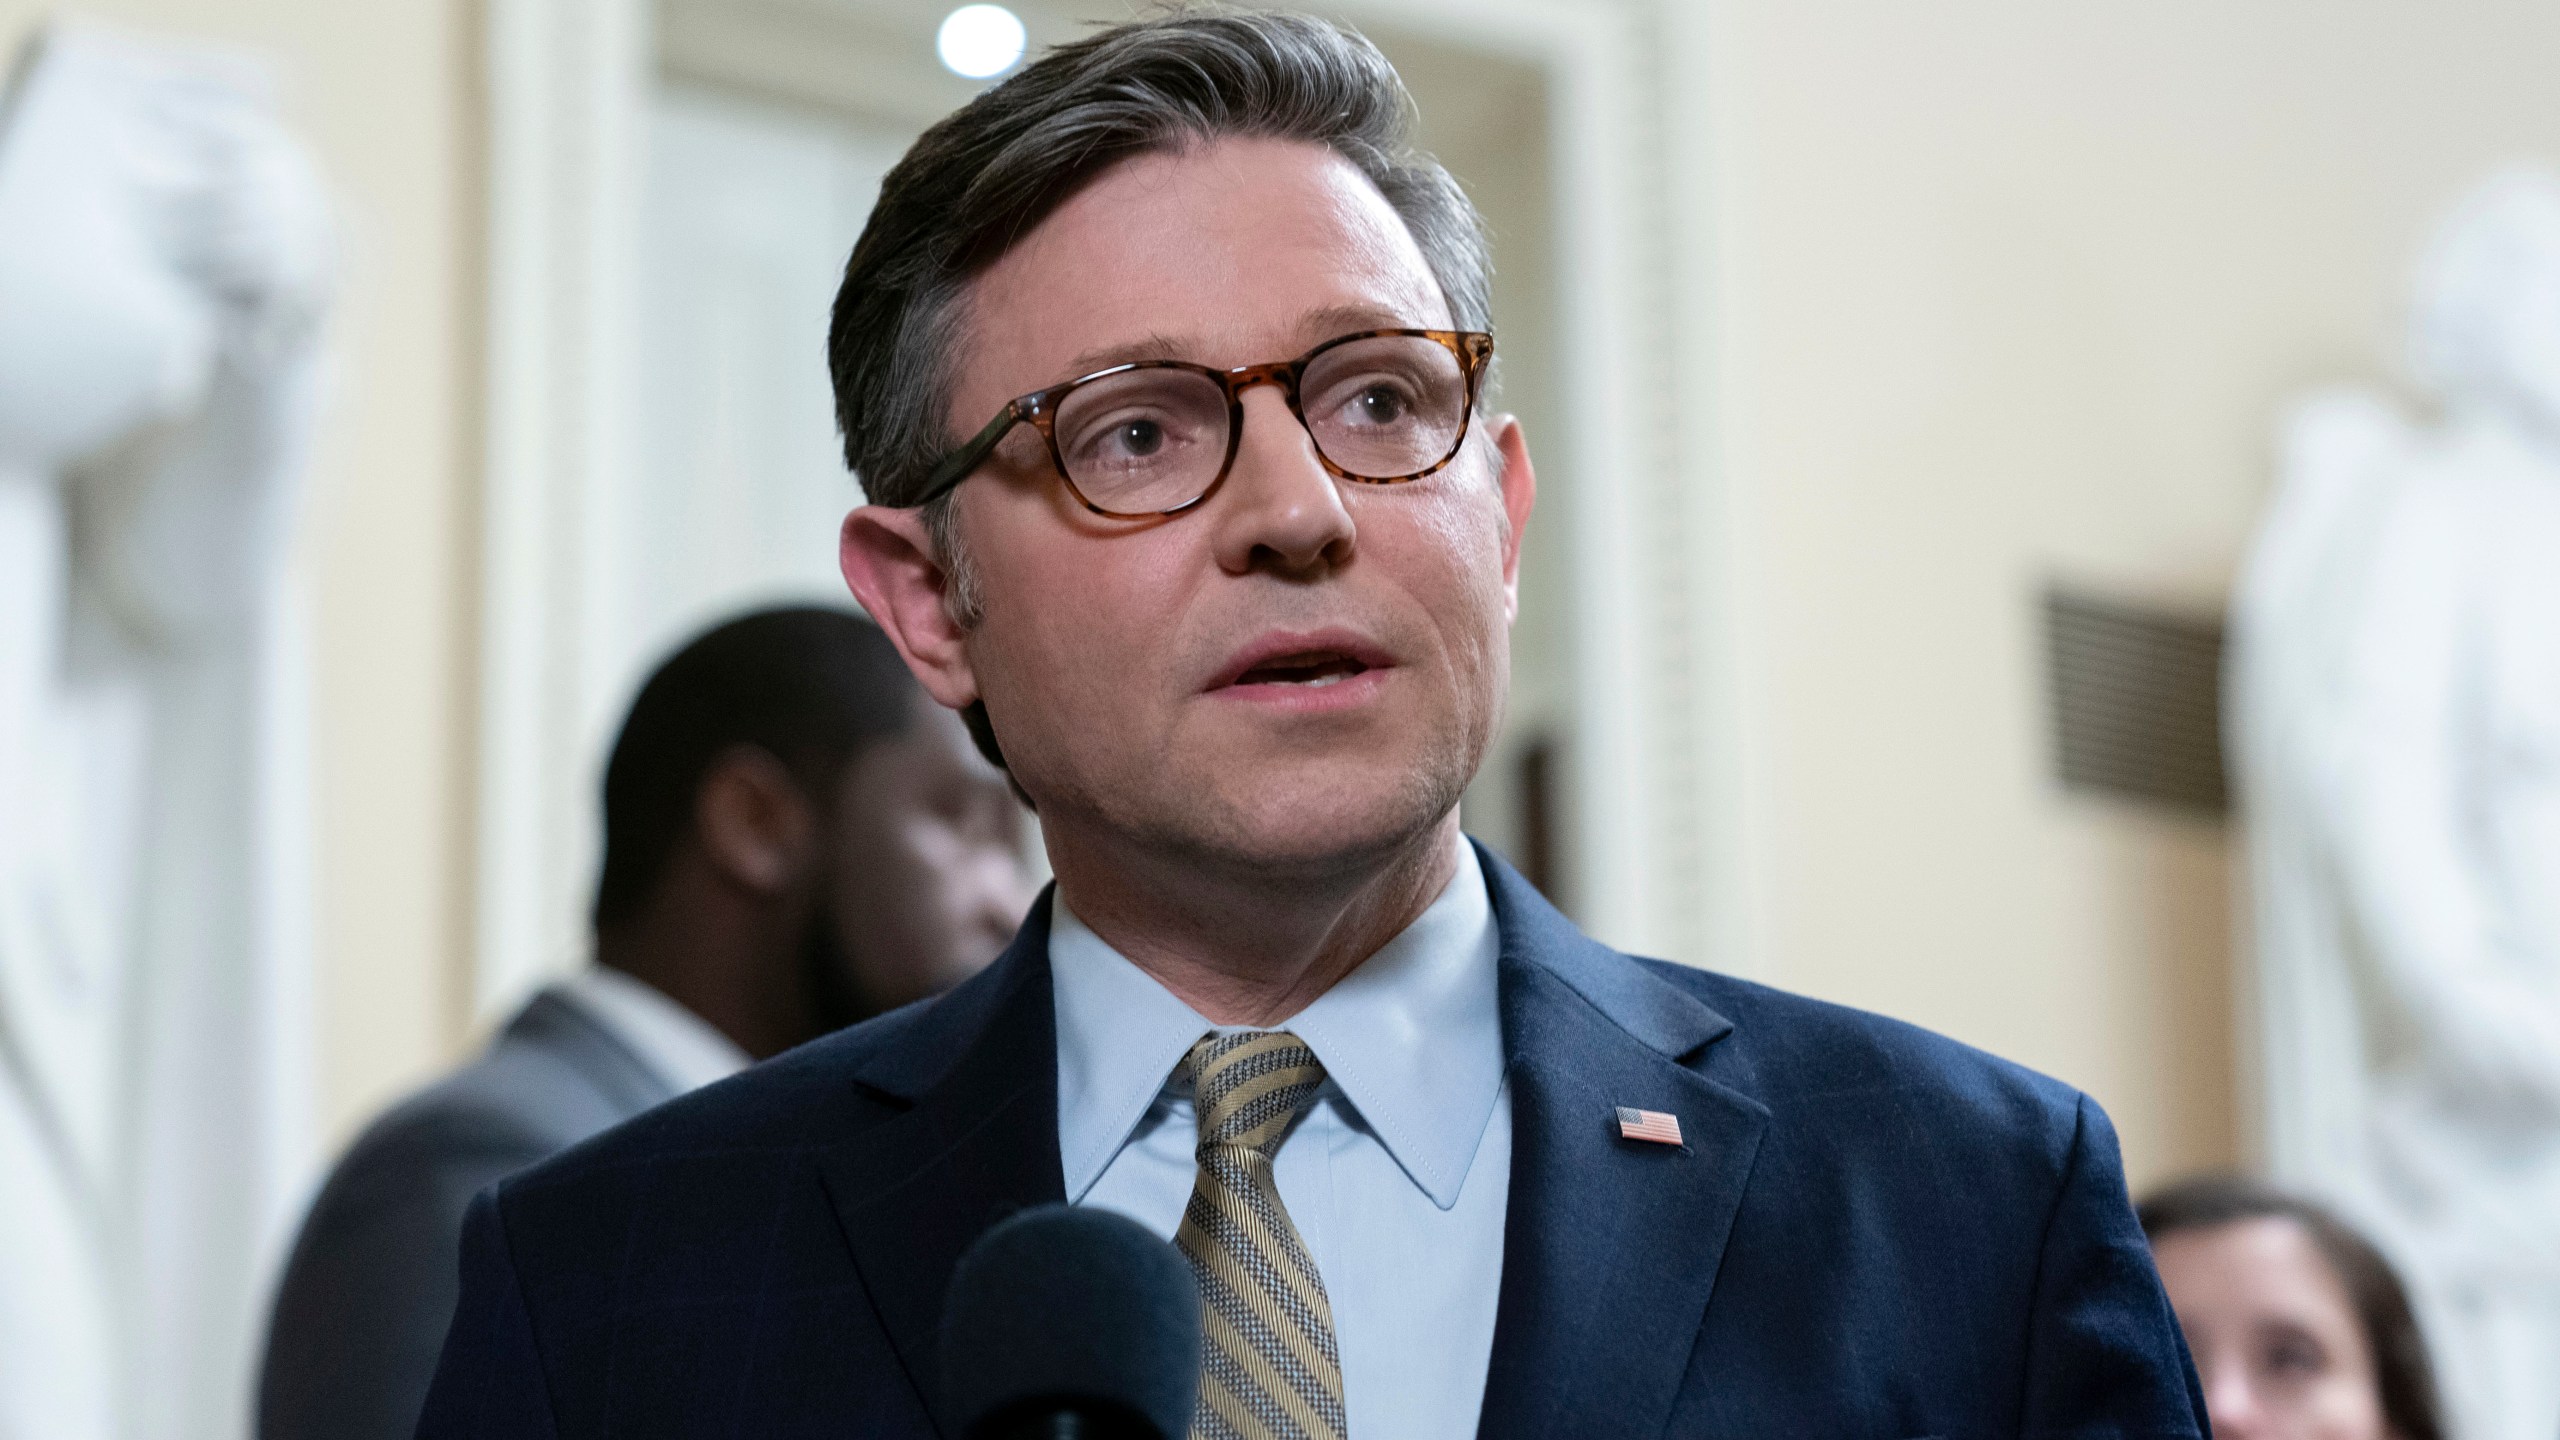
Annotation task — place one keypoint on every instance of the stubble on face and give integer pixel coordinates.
(923, 881)
(1099, 641)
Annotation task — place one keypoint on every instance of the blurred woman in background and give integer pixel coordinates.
(2300, 1329)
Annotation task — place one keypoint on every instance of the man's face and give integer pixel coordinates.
(924, 880)
(1299, 673)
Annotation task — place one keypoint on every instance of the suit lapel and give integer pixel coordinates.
(979, 1142)
(1610, 1247)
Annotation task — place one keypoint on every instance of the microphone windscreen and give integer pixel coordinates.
(1062, 1308)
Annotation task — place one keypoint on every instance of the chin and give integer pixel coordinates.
(1289, 821)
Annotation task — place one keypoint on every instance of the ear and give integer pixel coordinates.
(1519, 495)
(888, 560)
(753, 822)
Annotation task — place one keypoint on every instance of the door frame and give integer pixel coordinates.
(1658, 860)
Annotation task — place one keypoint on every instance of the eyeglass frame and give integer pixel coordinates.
(1473, 349)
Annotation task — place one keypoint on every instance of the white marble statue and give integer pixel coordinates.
(163, 249)
(2395, 686)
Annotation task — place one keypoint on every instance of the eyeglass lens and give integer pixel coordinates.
(1379, 408)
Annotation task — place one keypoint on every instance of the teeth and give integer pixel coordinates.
(1311, 672)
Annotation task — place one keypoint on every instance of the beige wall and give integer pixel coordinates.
(383, 90)
(2009, 291)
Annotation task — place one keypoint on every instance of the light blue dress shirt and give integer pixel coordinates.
(1397, 1176)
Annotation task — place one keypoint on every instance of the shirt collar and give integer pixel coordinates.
(1413, 1039)
(677, 1045)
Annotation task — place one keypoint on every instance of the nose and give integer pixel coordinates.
(1002, 891)
(1280, 511)
(2231, 1402)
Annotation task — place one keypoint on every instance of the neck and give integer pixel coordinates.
(1244, 945)
(726, 960)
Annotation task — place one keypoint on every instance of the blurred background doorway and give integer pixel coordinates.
(692, 466)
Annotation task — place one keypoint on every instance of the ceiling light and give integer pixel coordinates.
(980, 41)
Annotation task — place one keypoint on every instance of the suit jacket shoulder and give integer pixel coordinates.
(370, 1286)
(798, 1220)
(1792, 1051)
(551, 1078)
(806, 1100)
(1867, 1229)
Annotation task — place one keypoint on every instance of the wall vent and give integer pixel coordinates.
(2137, 701)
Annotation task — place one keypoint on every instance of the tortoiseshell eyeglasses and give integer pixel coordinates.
(1157, 437)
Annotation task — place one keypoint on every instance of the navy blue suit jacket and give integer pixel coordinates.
(1871, 1231)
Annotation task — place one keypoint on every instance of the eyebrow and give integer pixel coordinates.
(1154, 346)
(1313, 328)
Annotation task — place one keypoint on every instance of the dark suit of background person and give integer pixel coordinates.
(1246, 709)
(371, 1285)
(786, 720)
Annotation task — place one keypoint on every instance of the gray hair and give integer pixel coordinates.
(984, 176)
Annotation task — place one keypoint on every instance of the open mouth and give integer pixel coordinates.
(1282, 666)
(1311, 669)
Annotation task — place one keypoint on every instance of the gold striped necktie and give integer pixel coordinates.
(1268, 1366)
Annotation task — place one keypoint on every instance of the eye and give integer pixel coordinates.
(1132, 438)
(2293, 1354)
(1380, 404)
(1370, 402)
(1136, 438)
(951, 802)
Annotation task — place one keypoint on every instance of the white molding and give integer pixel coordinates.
(567, 85)
(1621, 720)
(1663, 860)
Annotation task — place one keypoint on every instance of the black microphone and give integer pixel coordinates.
(1071, 1324)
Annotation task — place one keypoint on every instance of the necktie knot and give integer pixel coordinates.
(1248, 1086)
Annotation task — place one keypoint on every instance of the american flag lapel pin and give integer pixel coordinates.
(1653, 1127)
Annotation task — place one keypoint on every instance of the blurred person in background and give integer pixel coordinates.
(2299, 1327)
(796, 839)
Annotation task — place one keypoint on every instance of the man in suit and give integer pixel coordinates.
(1160, 363)
(795, 839)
